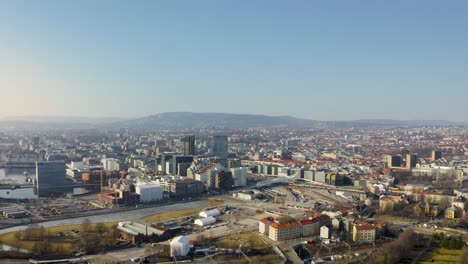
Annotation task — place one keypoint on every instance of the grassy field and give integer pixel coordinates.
(181, 213)
(247, 239)
(9, 238)
(441, 256)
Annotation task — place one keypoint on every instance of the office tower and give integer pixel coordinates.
(411, 160)
(176, 160)
(394, 161)
(165, 160)
(436, 154)
(50, 174)
(220, 146)
(189, 145)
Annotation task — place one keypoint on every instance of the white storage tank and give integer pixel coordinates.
(212, 212)
(180, 246)
(205, 221)
(149, 192)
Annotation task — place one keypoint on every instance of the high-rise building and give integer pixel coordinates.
(411, 160)
(110, 164)
(165, 158)
(50, 175)
(394, 161)
(176, 160)
(220, 146)
(436, 154)
(35, 141)
(189, 145)
(224, 180)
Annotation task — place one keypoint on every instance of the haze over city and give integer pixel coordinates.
(322, 60)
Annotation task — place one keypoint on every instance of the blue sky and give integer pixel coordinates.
(325, 60)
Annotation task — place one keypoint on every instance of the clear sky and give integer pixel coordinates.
(325, 60)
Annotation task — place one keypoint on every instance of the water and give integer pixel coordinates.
(16, 176)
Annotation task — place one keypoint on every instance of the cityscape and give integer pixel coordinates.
(296, 132)
(316, 193)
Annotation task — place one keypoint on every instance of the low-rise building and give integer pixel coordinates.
(137, 232)
(310, 227)
(287, 231)
(212, 212)
(205, 221)
(325, 232)
(450, 213)
(363, 232)
(264, 225)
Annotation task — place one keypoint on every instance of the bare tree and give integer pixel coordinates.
(101, 228)
(18, 235)
(86, 225)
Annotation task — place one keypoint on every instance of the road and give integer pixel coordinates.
(115, 216)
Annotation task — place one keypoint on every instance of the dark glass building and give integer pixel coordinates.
(220, 146)
(189, 145)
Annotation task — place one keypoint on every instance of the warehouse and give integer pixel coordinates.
(212, 212)
(205, 221)
(14, 211)
(137, 232)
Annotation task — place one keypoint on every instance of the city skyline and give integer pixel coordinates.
(319, 61)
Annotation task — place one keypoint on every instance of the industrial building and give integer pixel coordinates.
(247, 195)
(180, 246)
(205, 221)
(137, 232)
(212, 212)
(126, 195)
(13, 211)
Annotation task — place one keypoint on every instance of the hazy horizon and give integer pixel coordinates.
(119, 118)
(324, 61)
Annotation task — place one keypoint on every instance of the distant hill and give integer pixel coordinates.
(175, 120)
(189, 120)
